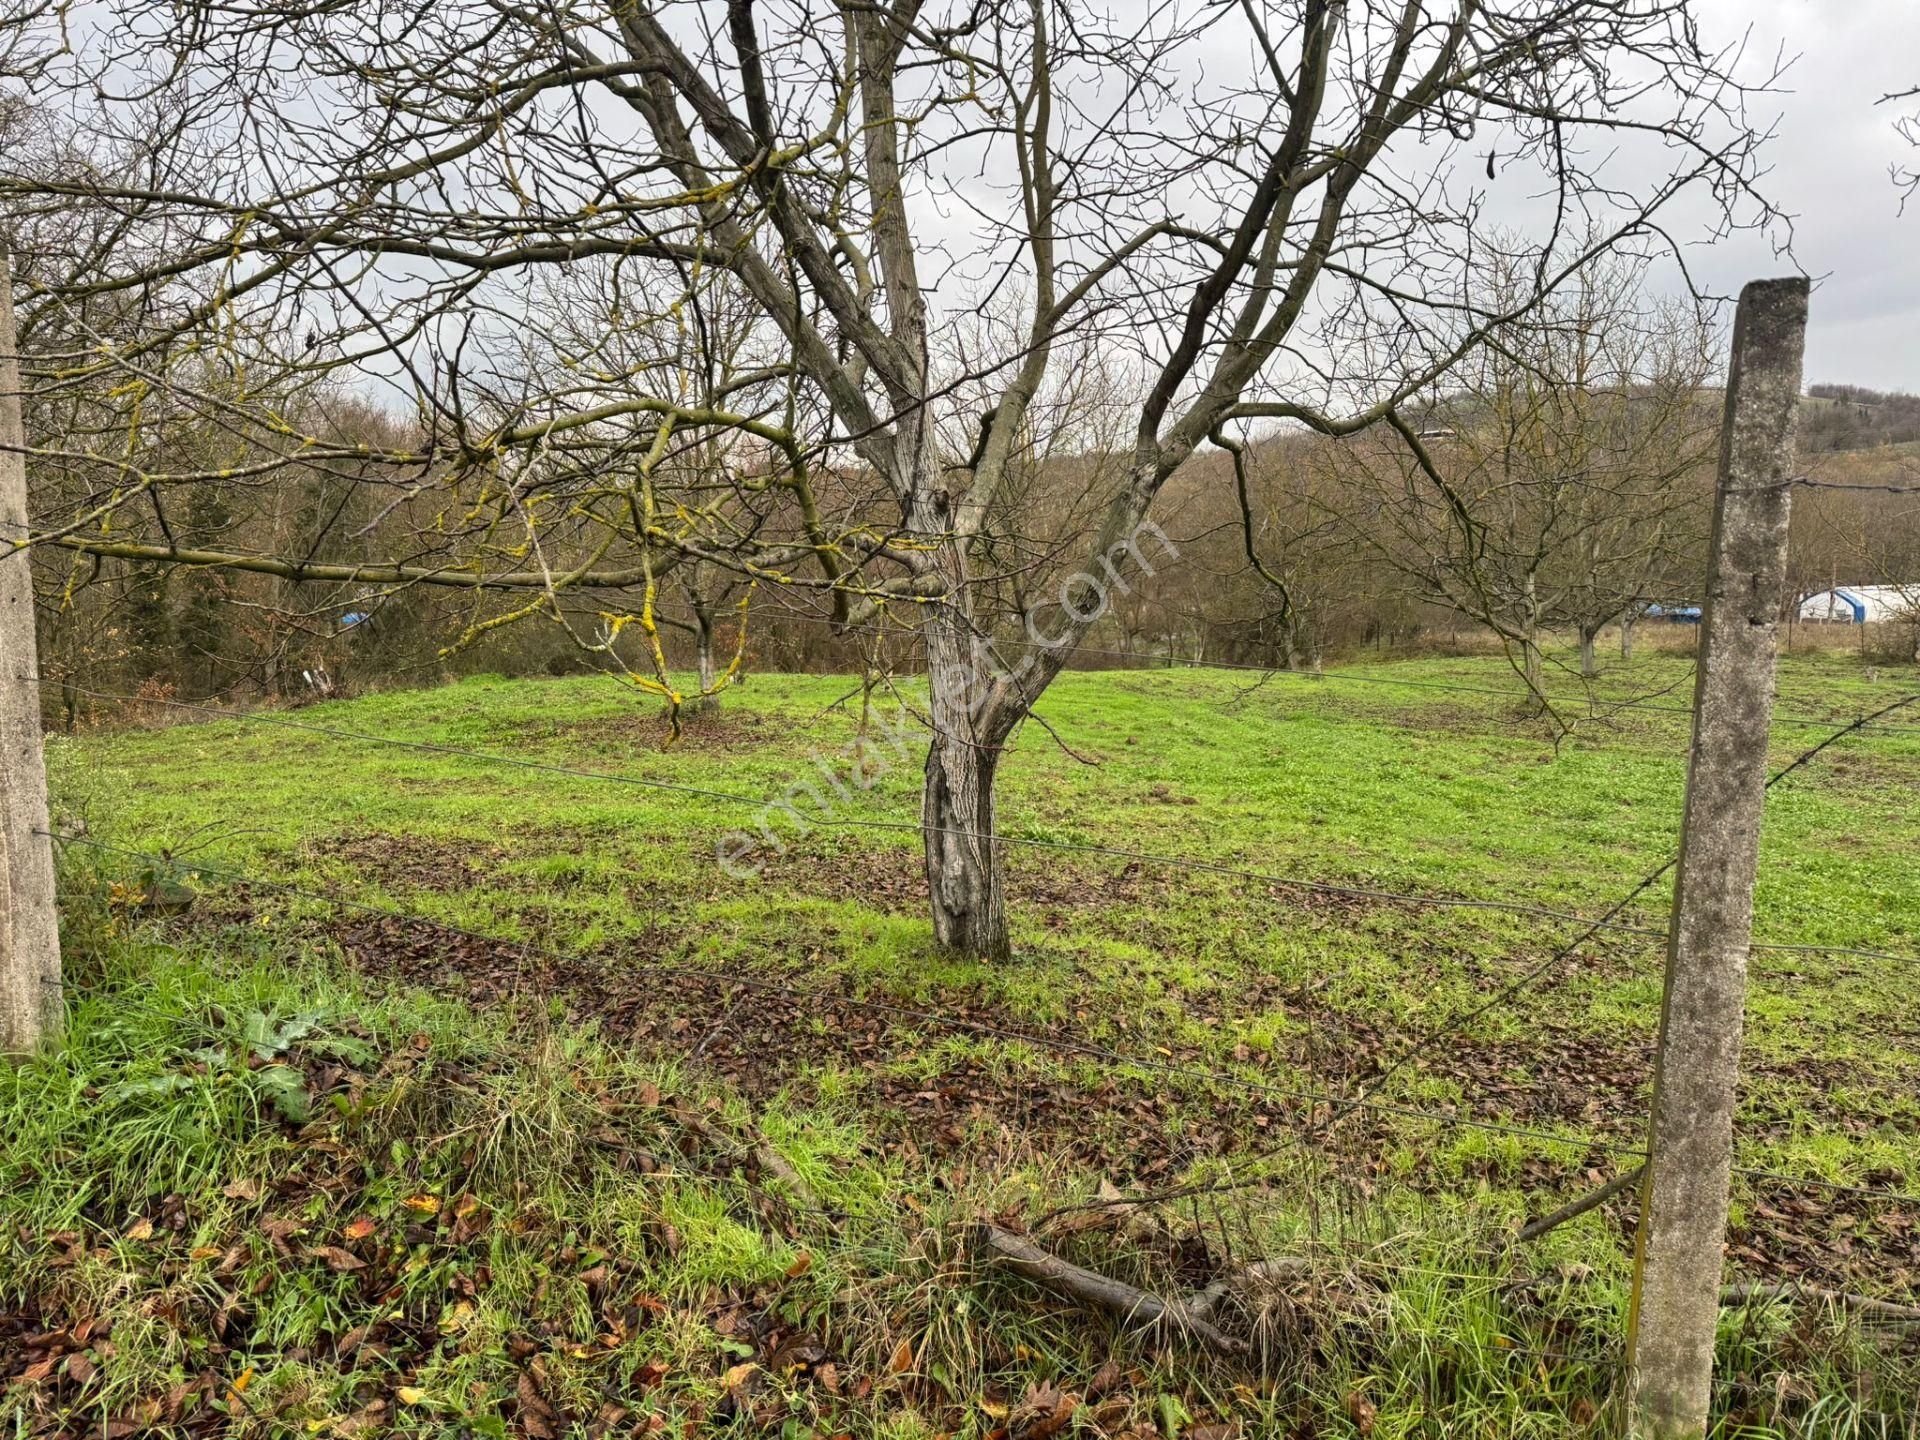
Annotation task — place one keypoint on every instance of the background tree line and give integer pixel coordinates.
(913, 316)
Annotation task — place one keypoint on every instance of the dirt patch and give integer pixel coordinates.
(410, 862)
(1044, 884)
(890, 880)
(764, 1040)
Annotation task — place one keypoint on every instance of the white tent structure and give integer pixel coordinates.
(1860, 604)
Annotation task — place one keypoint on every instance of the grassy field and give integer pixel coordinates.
(742, 1120)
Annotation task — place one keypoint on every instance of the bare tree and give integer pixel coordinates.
(1230, 199)
(1558, 484)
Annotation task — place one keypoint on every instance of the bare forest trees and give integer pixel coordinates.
(415, 203)
(1560, 482)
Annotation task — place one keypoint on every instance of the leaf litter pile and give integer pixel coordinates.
(401, 1273)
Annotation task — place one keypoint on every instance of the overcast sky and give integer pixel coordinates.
(1830, 163)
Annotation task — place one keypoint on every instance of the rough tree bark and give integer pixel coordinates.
(966, 876)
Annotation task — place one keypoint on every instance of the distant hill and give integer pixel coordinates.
(1835, 418)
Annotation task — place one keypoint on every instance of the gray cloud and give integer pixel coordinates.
(1830, 161)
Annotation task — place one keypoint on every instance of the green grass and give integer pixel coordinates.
(1381, 785)
(1374, 785)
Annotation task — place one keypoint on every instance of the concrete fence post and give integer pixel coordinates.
(30, 1003)
(1679, 1251)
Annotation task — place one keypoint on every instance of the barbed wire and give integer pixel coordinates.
(1071, 1045)
(1353, 892)
(1351, 678)
(1864, 487)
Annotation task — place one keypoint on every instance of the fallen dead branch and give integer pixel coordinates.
(1862, 1305)
(1191, 1315)
(1574, 1209)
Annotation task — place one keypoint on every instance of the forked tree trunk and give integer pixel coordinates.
(971, 717)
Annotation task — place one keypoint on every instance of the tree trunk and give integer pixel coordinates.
(972, 713)
(1626, 638)
(1531, 661)
(1530, 643)
(1589, 662)
(703, 641)
(966, 878)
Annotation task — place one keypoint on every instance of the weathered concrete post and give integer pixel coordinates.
(1683, 1211)
(29, 929)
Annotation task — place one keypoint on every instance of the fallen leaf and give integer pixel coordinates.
(239, 1386)
(1043, 1414)
(536, 1415)
(423, 1204)
(340, 1261)
(802, 1263)
(1361, 1411)
(902, 1360)
(361, 1228)
(1105, 1380)
(411, 1395)
(141, 1229)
